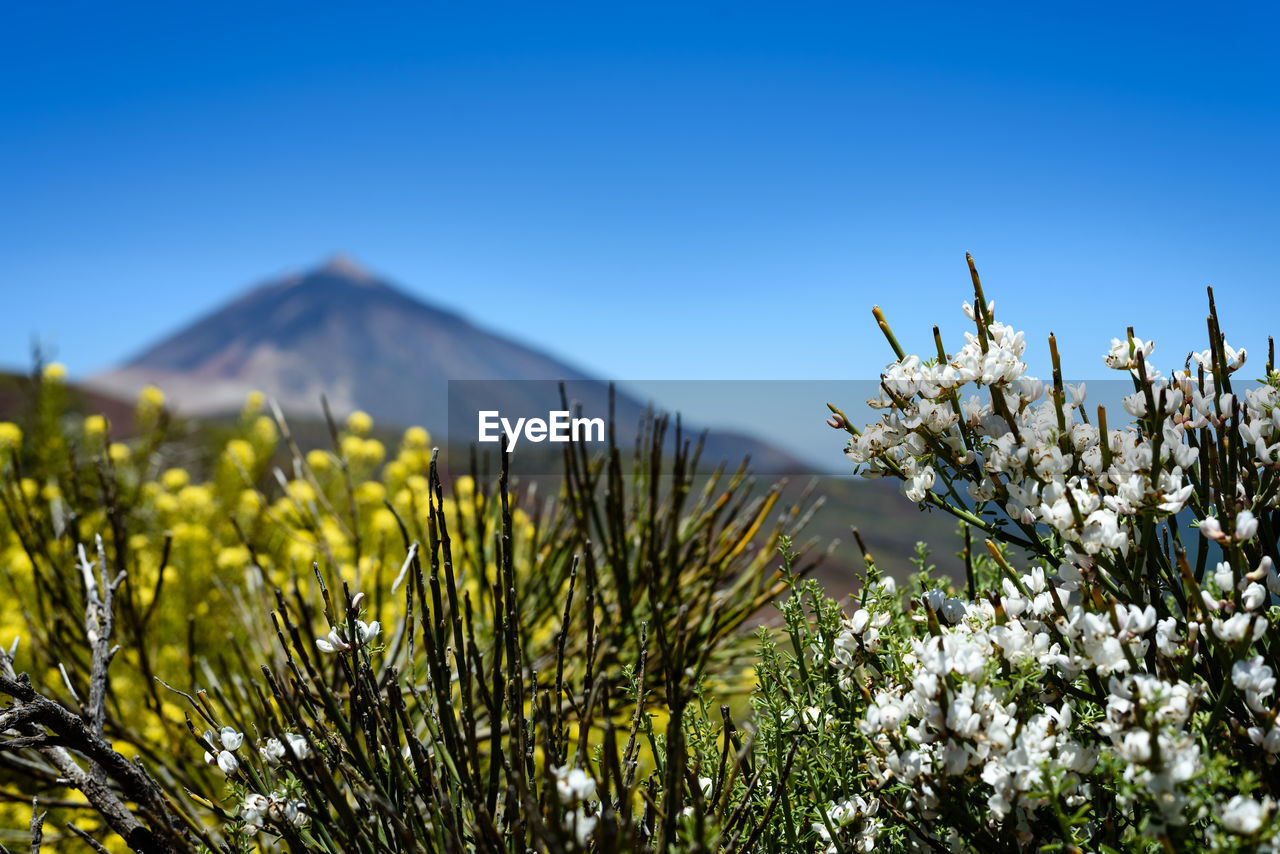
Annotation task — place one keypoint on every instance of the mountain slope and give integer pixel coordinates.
(336, 330)
(341, 332)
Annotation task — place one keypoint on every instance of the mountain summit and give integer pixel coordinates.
(337, 330)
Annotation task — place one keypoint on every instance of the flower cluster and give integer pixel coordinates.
(334, 641)
(274, 750)
(258, 810)
(849, 825)
(225, 743)
(574, 789)
(1120, 690)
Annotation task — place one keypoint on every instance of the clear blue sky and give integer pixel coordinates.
(710, 190)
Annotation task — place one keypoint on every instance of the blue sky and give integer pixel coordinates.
(696, 190)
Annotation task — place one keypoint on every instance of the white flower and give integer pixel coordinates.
(916, 488)
(1120, 359)
(366, 632)
(227, 762)
(953, 611)
(573, 785)
(223, 756)
(1224, 577)
(272, 752)
(1246, 525)
(1211, 529)
(1255, 679)
(1136, 746)
(1238, 626)
(1255, 595)
(812, 718)
(332, 642)
(1244, 815)
(297, 745)
(582, 825)
(858, 622)
(294, 812)
(1273, 578)
(253, 807)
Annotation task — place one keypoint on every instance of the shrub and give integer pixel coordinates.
(1105, 681)
(366, 659)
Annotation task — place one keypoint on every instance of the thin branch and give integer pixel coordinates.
(37, 826)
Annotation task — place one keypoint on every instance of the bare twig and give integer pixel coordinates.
(54, 731)
(37, 826)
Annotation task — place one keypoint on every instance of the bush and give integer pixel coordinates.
(1106, 679)
(368, 661)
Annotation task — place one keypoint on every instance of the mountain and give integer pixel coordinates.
(337, 330)
(345, 333)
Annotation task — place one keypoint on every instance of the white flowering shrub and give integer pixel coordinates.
(1105, 680)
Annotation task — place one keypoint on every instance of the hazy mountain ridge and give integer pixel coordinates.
(336, 330)
(361, 342)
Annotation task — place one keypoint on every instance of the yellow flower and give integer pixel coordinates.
(383, 521)
(253, 403)
(414, 459)
(119, 452)
(319, 460)
(17, 561)
(185, 533)
(300, 553)
(359, 423)
(352, 446)
(174, 479)
(250, 502)
(416, 437)
(395, 472)
(240, 453)
(370, 492)
(10, 436)
(151, 397)
(194, 497)
(232, 557)
(301, 491)
(95, 426)
(55, 372)
(464, 487)
(372, 451)
(264, 431)
(149, 408)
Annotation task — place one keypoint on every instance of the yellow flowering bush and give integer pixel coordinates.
(215, 542)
